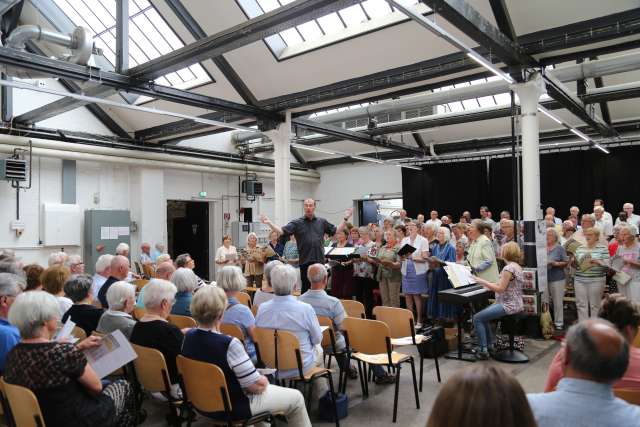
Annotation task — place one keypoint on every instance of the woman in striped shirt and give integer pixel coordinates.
(592, 262)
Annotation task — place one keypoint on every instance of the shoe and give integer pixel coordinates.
(353, 373)
(481, 355)
(385, 379)
(418, 326)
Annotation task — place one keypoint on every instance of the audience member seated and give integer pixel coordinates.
(121, 297)
(508, 290)
(596, 356)
(69, 392)
(285, 312)
(75, 264)
(9, 264)
(53, 280)
(185, 261)
(33, 273)
(164, 272)
(83, 313)
(158, 249)
(186, 281)
(154, 331)
(625, 316)
(57, 259)
(145, 254)
(122, 249)
(482, 395)
(265, 293)
(331, 307)
(162, 258)
(10, 287)
(249, 392)
(232, 281)
(119, 271)
(103, 271)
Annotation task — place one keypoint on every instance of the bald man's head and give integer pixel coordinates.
(165, 270)
(120, 267)
(596, 351)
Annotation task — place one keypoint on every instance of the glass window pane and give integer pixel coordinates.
(161, 25)
(376, 8)
(353, 15)
(503, 98)
(310, 30)
(487, 101)
(470, 104)
(268, 5)
(291, 37)
(456, 106)
(331, 23)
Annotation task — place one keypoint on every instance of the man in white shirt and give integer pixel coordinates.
(434, 221)
(103, 271)
(607, 215)
(551, 211)
(605, 226)
(631, 217)
(145, 254)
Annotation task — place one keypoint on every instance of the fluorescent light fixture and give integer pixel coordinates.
(549, 114)
(367, 159)
(601, 148)
(489, 66)
(308, 148)
(580, 134)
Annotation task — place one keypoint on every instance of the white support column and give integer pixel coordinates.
(281, 138)
(529, 93)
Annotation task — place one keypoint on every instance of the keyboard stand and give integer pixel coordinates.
(462, 353)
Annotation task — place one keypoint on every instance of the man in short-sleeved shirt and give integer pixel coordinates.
(309, 231)
(10, 287)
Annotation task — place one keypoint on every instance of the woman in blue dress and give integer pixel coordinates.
(414, 271)
(444, 251)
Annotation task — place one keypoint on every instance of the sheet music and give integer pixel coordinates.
(342, 251)
(66, 330)
(114, 352)
(459, 275)
(327, 249)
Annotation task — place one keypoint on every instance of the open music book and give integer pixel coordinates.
(459, 275)
(113, 353)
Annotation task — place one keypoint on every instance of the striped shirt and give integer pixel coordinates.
(599, 252)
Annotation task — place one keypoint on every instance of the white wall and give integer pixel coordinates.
(342, 184)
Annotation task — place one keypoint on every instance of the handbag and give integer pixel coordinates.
(546, 323)
(325, 406)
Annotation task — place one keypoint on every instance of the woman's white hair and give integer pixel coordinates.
(447, 233)
(122, 248)
(184, 279)
(430, 225)
(230, 278)
(119, 293)
(250, 235)
(163, 258)
(156, 291)
(555, 233)
(283, 279)
(31, 310)
(57, 258)
(103, 262)
(268, 268)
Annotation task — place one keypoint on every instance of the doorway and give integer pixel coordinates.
(375, 210)
(188, 232)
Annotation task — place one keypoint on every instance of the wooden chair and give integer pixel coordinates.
(353, 308)
(79, 333)
(280, 350)
(205, 387)
(138, 266)
(149, 271)
(232, 330)
(636, 341)
(329, 346)
(630, 396)
(244, 298)
(140, 283)
(138, 313)
(182, 321)
(24, 405)
(152, 375)
(401, 326)
(371, 339)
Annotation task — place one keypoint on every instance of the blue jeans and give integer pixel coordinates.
(482, 324)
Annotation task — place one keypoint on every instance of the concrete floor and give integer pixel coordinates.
(377, 409)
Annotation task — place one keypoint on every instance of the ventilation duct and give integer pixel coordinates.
(79, 43)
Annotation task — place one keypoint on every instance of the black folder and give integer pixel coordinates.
(406, 250)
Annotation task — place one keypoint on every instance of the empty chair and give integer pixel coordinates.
(353, 308)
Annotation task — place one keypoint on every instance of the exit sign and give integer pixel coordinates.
(202, 194)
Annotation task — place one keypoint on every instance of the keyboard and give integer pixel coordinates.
(464, 295)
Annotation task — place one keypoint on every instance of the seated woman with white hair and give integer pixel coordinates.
(122, 299)
(154, 331)
(231, 280)
(265, 293)
(250, 393)
(68, 390)
(186, 281)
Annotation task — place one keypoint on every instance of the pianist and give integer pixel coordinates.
(508, 290)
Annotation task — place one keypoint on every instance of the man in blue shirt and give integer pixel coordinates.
(10, 286)
(331, 307)
(596, 357)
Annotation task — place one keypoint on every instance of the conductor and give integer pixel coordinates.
(309, 231)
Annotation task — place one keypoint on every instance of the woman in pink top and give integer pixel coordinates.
(624, 314)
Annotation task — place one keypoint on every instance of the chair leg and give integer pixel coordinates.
(415, 385)
(395, 396)
(365, 368)
(421, 369)
(361, 377)
(435, 358)
(333, 399)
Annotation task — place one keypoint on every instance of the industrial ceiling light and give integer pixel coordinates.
(580, 134)
(317, 150)
(549, 114)
(489, 66)
(601, 148)
(367, 159)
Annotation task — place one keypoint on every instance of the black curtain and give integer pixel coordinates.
(449, 188)
(566, 179)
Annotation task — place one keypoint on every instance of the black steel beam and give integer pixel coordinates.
(122, 35)
(298, 156)
(126, 83)
(178, 8)
(361, 137)
(501, 14)
(604, 107)
(6, 101)
(288, 16)
(419, 140)
(385, 155)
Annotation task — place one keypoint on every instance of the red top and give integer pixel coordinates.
(613, 247)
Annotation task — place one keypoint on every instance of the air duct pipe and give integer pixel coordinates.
(80, 43)
(70, 151)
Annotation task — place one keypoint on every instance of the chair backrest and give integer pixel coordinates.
(630, 396)
(138, 313)
(205, 385)
(24, 405)
(149, 270)
(326, 334)
(232, 330)
(264, 340)
(366, 336)
(244, 298)
(79, 333)
(140, 283)
(182, 321)
(399, 320)
(151, 369)
(254, 309)
(288, 348)
(353, 308)
(636, 341)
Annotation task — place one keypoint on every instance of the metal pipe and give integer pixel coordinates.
(18, 37)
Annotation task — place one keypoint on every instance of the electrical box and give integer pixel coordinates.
(240, 231)
(62, 225)
(13, 169)
(103, 230)
(252, 188)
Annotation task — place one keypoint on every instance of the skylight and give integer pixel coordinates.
(149, 36)
(367, 15)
